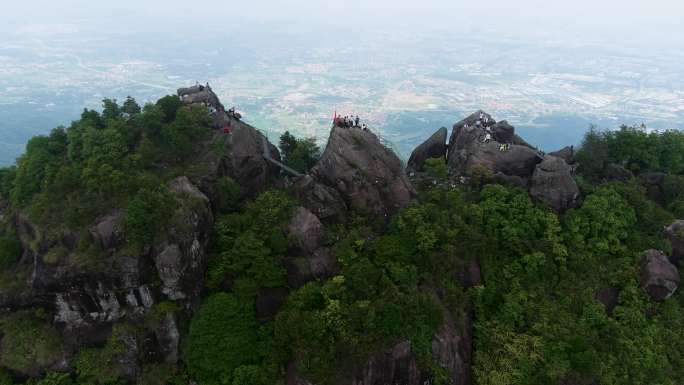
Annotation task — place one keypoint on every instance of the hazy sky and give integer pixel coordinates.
(626, 22)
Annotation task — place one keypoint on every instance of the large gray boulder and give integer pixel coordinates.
(617, 172)
(306, 230)
(503, 132)
(553, 184)
(566, 153)
(654, 182)
(658, 277)
(433, 147)
(675, 234)
(367, 174)
(107, 230)
(468, 151)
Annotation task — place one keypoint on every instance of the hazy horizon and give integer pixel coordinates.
(550, 68)
(625, 23)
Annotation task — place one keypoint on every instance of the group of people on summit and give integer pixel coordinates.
(348, 122)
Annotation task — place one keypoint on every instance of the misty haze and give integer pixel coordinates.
(409, 68)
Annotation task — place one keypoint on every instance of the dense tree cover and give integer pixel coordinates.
(538, 319)
(635, 148)
(147, 215)
(436, 168)
(29, 341)
(10, 250)
(104, 160)
(225, 344)
(223, 336)
(300, 154)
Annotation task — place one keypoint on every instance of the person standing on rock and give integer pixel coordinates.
(356, 121)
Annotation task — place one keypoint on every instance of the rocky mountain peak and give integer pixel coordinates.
(368, 175)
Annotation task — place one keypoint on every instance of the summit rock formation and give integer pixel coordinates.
(469, 148)
(368, 175)
(479, 143)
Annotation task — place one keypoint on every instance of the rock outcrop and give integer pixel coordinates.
(244, 159)
(313, 260)
(503, 132)
(566, 153)
(107, 230)
(306, 230)
(200, 94)
(675, 234)
(179, 257)
(108, 284)
(168, 338)
(469, 273)
(323, 201)
(367, 174)
(654, 182)
(433, 147)
(553, 184)
(658, 277)
(474, 144)
(617, 172)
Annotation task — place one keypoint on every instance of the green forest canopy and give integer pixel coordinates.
(537, 319)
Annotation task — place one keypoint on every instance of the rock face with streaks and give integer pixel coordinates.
(90, 293)
(323, 201)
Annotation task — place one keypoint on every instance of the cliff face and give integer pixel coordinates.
(238, 155)
(89, 294)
